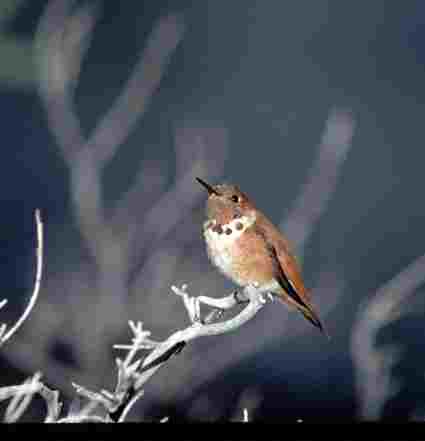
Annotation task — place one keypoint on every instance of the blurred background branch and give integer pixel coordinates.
(374, 363)
(321, 181)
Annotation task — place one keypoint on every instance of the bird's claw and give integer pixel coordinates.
(270, 297)
(266, 297)
(214, 315)
(239, 299)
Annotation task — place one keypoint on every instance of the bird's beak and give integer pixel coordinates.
(209, 188)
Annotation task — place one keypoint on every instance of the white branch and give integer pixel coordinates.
(84, 419)
(130, 405)
(21, 397)
(196, 330)
(128, 375)
(39, 225)
(54, 406)
(83, 415)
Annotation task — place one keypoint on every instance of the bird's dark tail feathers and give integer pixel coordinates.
(313, 318)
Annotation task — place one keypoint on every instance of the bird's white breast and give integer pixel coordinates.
(219, 245)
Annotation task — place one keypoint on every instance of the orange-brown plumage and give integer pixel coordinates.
(245, 245)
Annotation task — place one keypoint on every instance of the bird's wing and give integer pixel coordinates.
(279, 273)
(287, 273)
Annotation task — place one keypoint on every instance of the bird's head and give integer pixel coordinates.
(226, 202)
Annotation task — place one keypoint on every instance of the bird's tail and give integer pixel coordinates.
(303, 305)
(308, 312)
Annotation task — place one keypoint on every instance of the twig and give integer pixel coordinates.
(37, 283)
(22, 396)
(84, 419)
(54, 406)
(129, 406)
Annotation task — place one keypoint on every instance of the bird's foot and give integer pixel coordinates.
(262, 298)
(239, 298)
(266, 297)
(213, 316)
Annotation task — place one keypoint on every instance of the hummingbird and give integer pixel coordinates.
(247, 248)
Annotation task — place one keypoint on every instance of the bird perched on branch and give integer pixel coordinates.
(246, 247)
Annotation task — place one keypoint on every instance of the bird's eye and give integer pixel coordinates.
(235, 198)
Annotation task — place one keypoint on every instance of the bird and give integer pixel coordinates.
(250, 250)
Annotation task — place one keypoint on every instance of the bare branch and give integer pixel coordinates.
(374, 382)
(131, 377)
(21, 397)
(321, 181)
(146, 189)
(197, 329)
(39, 271)
(192, 304)
(133, 101)
(131, 374)
(92, 396)
(84, 419)
(54, 406)
(57, 77)
(130, 405)
(61, 42)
